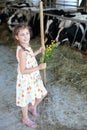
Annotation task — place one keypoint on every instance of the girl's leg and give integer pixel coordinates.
(25, 112)
(25, 118)
(33, 109)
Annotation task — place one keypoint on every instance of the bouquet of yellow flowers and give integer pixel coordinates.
(49, 51)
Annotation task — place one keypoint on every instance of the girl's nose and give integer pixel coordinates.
(25, 36)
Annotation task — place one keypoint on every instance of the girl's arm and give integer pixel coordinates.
(39, 51)
(22, 65)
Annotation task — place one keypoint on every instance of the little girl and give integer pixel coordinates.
(29, 89)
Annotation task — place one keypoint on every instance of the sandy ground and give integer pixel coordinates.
(65, 107)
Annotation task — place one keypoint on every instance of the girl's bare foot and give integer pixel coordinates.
(33, 110)
(29, 123)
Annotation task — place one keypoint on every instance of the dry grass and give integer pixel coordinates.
(67, 64)
(69, 69)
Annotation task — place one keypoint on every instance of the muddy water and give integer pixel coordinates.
(65, 107)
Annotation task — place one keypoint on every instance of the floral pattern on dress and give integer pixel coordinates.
(29, 86)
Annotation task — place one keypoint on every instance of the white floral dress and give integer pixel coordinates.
(29, 86)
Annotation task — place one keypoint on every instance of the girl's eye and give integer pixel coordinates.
(22, 35)
(27, 33)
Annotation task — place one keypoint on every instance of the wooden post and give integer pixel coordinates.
(42, 37)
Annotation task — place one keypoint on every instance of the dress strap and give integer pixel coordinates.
(18, 48)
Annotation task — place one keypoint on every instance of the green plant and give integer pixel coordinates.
(49, 51)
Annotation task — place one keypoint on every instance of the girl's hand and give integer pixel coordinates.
(42, 66)
(41, 49)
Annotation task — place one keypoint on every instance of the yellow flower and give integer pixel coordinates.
(49, 51)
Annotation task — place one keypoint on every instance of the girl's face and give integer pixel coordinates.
(23, 36)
